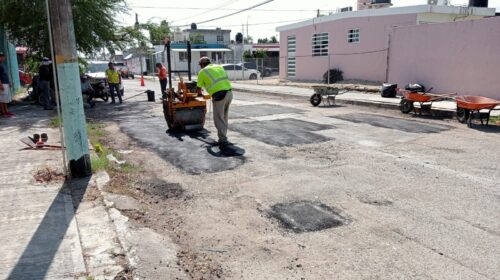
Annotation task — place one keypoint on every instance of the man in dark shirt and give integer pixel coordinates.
(44, 79)
(5, 97)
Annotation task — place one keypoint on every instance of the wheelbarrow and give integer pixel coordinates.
(425, 99)
(325, 95)
(467, 105)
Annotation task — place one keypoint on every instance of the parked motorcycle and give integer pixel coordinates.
(101, 91)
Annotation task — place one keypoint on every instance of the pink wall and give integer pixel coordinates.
(365, 60)
(461, 57)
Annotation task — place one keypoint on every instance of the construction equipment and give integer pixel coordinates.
(184, 109)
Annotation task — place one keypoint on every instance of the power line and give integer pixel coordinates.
(209, 10)
(261, 23)
(228, 9)
(237, 12)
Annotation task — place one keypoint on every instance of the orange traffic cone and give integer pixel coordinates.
(142, 81)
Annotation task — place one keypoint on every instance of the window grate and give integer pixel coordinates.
(353, 36)
(320, 44)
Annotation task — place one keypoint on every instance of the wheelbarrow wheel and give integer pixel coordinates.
(462, 115)
(315, 99)
(405, 106)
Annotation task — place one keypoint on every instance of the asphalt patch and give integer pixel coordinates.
(282, 132)
(260, 110)
(163, 189)
(186, 151)
(394, 123)
(306, 216)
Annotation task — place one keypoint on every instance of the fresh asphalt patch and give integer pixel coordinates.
(260, 110)
(282, 132)
(187, 151)
(305, 216)
(394, 123)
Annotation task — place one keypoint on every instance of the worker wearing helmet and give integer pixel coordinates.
(215, 81)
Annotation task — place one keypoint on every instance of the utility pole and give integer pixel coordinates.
(70, 92)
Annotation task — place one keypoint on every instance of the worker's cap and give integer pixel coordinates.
(204, 60)
(1, 54)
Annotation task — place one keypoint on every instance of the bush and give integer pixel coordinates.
(336, 75)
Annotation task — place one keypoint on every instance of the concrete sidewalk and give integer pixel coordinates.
(39, 234)
(49, 230)
(350, 97)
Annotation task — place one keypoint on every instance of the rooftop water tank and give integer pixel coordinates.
(478, 3)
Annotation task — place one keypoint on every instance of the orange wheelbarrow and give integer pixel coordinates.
(467, 105)
(425, 99)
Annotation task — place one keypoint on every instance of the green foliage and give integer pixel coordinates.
(157, 32)
(260, 53)
(95, 22)
(272, 40)
(248, 40)
(247, 54)
(197, 39)
(55, 122)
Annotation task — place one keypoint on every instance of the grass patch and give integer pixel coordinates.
(495, 119)
(99, 160)
(55, 122)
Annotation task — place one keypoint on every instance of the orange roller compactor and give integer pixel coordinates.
(184, 109)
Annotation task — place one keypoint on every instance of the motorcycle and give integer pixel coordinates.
(101, 90)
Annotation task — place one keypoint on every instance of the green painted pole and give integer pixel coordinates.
(70, 92)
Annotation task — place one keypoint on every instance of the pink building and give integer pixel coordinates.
(359, 43)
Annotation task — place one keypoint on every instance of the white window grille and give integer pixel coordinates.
(320, 44)
(291, 49)
(353, 36)
(220, 38)
(291, 67)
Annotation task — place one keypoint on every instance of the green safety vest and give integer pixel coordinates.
(113, 76)
(213, 78)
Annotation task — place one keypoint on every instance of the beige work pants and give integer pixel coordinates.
(221, 116)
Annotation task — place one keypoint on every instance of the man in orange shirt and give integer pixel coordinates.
(162, 75)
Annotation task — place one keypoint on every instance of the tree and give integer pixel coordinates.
(248, 40)
(273, 40)
(260, 53)
(197, 39)
(262, 41)
(157, 32)
(247, 54)
(95, 25)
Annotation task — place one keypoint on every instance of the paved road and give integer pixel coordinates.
(321, 193)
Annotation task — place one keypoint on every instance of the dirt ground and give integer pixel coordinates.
(339, 192)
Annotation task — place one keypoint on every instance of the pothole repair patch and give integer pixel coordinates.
(306, 216)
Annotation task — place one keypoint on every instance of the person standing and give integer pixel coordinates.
(5, 97)
(114, 81)
(215, 81)
(44, 80)
(88, 90)
(162, 76)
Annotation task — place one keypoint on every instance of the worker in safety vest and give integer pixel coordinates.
(114, 81)
(214, 79)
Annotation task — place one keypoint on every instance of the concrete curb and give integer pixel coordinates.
(439, 112)
(149, 255)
